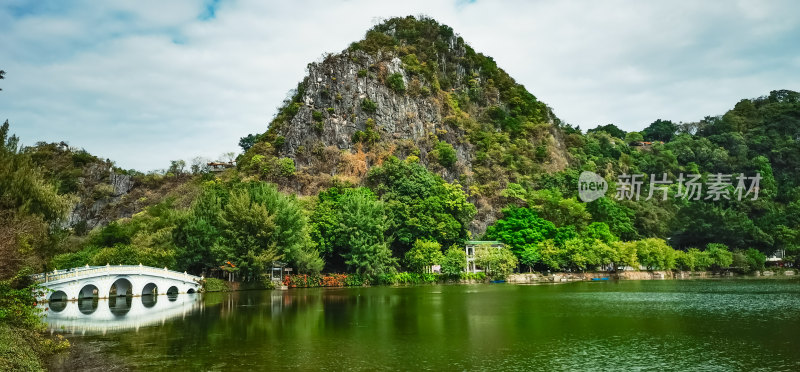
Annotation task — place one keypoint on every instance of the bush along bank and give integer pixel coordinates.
(355, 280)
(219, 285)
(23, 345)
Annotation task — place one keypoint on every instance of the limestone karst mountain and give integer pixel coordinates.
(413, 89)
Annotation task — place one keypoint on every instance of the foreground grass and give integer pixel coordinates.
(24, 350)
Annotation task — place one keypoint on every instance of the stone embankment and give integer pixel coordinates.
(628, 275)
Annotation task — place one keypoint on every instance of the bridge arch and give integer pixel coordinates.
(89, 291)
(172, 290)
(122, 287)
(58, 296)
(150, 289)
(190, 291)
(119, 306)
(149, 301)
(87, 305)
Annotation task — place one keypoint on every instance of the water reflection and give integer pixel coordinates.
(99, 316)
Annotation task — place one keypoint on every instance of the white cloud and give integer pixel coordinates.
(143, 83)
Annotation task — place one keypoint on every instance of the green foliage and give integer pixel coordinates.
(260, 225)
(30, 208)
(454, 261)
(496, 262)
(369, 135)
(600, 231)
(317, 115)
(445, 154)
(26, 350)
(478, 277)
(420, 205)
(423, 255)
(248, 141)
(611, 129)
(361, 228)
(619, 218)
(655, 254)
(395, 82)
(410, 278)
(215, 285)
(17, 304)
(369, 105)
(719, 256)
(552, 206)
(660, 130)
(521, 228)
(530, 255)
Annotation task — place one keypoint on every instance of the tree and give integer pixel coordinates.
(497, 262)
(719, 256)
(248, 141)
(423, 255)
(586, 254)
(552, 255)
(620, 219)
(552, 206)
(599, 231)
(177, 167)
(198, 232)
(655, 254)
(362, 226)
(634, 137)
(454, 261)
(420, 204)
(660, 130)
(530, 256)
(199, 165)
(260, 225)
(2, 76)
(611, 129)
(625, 255)
(445, 154)
(520, 228)
(29, 208)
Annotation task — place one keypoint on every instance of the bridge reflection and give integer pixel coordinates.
(100, 316)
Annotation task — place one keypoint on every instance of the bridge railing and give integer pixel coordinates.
(79, 272)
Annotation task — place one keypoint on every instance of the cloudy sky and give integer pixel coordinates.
(144, 82)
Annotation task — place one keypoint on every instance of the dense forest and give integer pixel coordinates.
(381, 205)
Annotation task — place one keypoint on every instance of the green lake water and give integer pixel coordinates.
(710, 325)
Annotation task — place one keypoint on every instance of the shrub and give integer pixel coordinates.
(719, 255)
(473, 276)
(317, 116)
(446, 154)
(215, 285)
(497, 262)
(423, 255)
(454, 261)
(369, 105)
(395, 82)
(331, 280)
(286, 166)
(362, 73)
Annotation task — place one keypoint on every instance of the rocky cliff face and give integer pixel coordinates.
(100, 192)
(411, 88)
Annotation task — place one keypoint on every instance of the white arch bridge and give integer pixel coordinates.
(122, 280)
